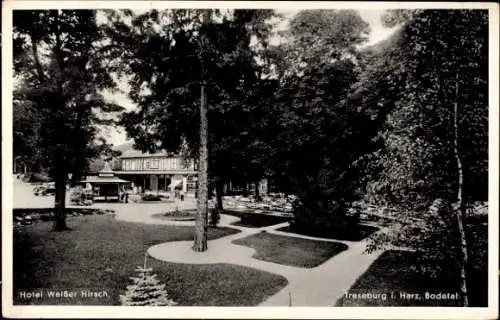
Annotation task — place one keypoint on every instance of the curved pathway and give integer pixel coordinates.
(319, 286)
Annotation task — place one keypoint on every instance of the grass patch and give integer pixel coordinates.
(101, 253)
(355, 233)
(255, 220)
(181, 215)
(392, 274)
(290, 251)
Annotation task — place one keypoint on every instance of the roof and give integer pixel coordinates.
(133, 153)
(128, 151)
(97, 179)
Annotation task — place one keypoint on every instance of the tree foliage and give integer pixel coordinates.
(60, 75)
(418, 136)
(435, 142)
(318, 133)
(167, 62)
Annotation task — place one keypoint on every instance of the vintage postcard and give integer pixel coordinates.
(234, 159)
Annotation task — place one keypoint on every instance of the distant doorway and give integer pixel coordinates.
(163, 182)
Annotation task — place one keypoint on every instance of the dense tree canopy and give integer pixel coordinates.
(59, 78)
(439, 58)
(435, 146)
(318, 135)
(168, 63)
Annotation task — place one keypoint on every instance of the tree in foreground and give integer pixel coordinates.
(318, 134)
(177, 56)
(59, 75)
(435, 145)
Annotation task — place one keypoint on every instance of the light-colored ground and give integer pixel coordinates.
(23, 197)
(319, 286)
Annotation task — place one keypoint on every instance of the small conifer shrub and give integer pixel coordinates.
(146, 290)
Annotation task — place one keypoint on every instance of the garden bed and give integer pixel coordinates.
(25, 216)
(180, 215)
(355, 233)
(291, 251)
(101, 253)
(148, 201)
(256, 220)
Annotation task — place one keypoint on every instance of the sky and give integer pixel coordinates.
(117, 136)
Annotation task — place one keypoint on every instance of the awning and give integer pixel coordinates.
(93, 179)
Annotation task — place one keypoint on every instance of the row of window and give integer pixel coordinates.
(156, 164)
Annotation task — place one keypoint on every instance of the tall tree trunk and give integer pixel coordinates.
(219, 193)
(60, 165)
(210, 190)
(257, 192)
(200, 236)
(60, 205)
(245, 189)
(459, 206)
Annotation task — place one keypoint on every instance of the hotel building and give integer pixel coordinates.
(158, 171)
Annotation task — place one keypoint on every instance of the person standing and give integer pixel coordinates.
(121, 194)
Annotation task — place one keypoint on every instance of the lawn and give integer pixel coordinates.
(255, 220)
(355, 233)
(290, 251)
(101, 253)
(391, 274)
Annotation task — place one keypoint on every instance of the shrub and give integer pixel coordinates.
(46, 217)
(150, 197)
(36, 177)
(320, 216)
(432, 233)
(77, 195)
(146, 290)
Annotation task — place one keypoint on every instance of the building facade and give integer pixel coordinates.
(158, 172)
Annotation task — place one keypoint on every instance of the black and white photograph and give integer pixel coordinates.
(235, 154)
